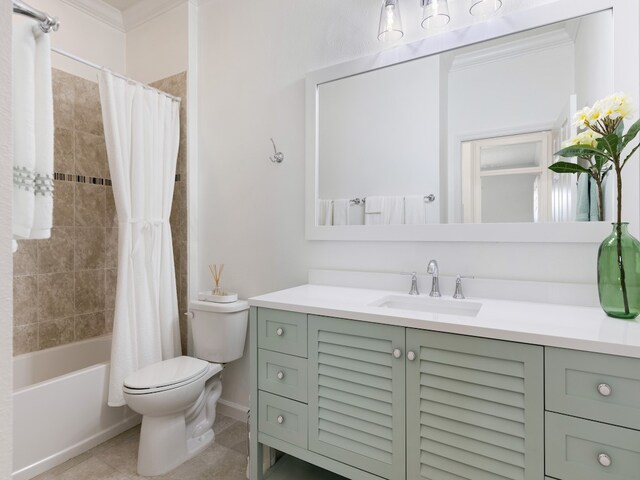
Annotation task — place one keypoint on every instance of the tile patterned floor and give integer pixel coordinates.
(225, 459)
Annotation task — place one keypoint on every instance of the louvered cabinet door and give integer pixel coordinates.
(474, 408)
(357, 394)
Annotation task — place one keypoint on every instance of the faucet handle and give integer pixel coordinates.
(414, 284)
(458, 293)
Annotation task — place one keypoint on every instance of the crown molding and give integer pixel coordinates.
(146, 10)
(100, 11)
(524, 46)
(132, 17)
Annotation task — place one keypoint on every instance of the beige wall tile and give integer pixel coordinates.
(25, 338)
(57, 332)
(111, 248)
(181, 166)
(110, 282)
(63, 152)
(25, 260)
(88, 115)
(90, 248)
(56, 253)
(62, 76)
(63, 104)
(111, 213)
(25, 300)
(90, 205)
(89, 291)
(63, 203)
(108, 321)
(90, 155)
(89, 326)
(55, 296)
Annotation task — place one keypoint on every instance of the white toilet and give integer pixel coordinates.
(178, 397)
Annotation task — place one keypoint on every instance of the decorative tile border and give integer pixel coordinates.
(68, 177)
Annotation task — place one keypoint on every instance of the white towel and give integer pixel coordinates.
(32, 131)
(414, 207)
(393, 211)
(341, 212)
(373, 207)
(325, 212)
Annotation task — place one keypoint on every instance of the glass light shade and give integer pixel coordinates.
(435, 14)
(390, 29)
(480, 8)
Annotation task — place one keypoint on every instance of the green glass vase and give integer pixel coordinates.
(619, 273)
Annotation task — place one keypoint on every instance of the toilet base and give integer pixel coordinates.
(168, 441)
(162, 444)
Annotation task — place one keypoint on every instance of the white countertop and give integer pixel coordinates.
(564, 326)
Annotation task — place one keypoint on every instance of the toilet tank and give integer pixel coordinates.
(219, 330)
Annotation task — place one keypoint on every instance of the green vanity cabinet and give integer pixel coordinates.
(357, 394)
(592, 426)
(474, 408)
(371, 401)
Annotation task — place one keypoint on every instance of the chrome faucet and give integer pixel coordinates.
(414, 284)
(432, 268)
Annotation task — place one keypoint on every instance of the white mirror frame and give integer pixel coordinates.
(626, 61)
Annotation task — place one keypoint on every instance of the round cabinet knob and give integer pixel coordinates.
(280, 375)
(280, 332)
(397, 353)
(604, 389)
(280, 419)
(604, 460)
(411, 356)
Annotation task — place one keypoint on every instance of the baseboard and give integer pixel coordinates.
(233, 410)
(58, 458)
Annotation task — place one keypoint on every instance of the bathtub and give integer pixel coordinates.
(60, 405)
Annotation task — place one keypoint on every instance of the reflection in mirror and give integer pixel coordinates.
(465, 136)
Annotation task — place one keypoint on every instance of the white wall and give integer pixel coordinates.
(252, 68)
(6, 290)
(84, 36)
(594, 83)
(379, 132)
(158, 48)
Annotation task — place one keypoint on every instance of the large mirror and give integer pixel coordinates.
(464, 136)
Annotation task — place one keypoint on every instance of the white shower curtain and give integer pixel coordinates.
(142, 132)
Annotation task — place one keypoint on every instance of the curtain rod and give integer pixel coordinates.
(99, 67)
(47, 22)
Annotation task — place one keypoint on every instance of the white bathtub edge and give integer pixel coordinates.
(59, 458)
(232, 409)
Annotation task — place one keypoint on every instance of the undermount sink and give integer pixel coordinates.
(429, 304)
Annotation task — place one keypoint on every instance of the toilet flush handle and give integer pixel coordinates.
(189, 315)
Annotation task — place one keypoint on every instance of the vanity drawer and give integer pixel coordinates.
(284, 332)
(600, 387)
(283, 418)
(283, 375)
(579, 449)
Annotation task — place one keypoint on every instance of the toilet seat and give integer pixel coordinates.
(167, 375)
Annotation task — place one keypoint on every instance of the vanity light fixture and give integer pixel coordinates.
(481, 8)
(390, 29)
(435, 14)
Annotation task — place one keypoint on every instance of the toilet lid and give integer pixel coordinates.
(166, 373)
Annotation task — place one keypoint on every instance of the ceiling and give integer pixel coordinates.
(121, 4)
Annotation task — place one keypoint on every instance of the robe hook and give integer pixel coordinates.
(278, 157)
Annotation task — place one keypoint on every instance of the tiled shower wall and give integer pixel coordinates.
(64, 287)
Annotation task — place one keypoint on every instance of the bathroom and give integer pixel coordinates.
(243, 71)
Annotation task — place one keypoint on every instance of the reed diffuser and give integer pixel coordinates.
(216, 273)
